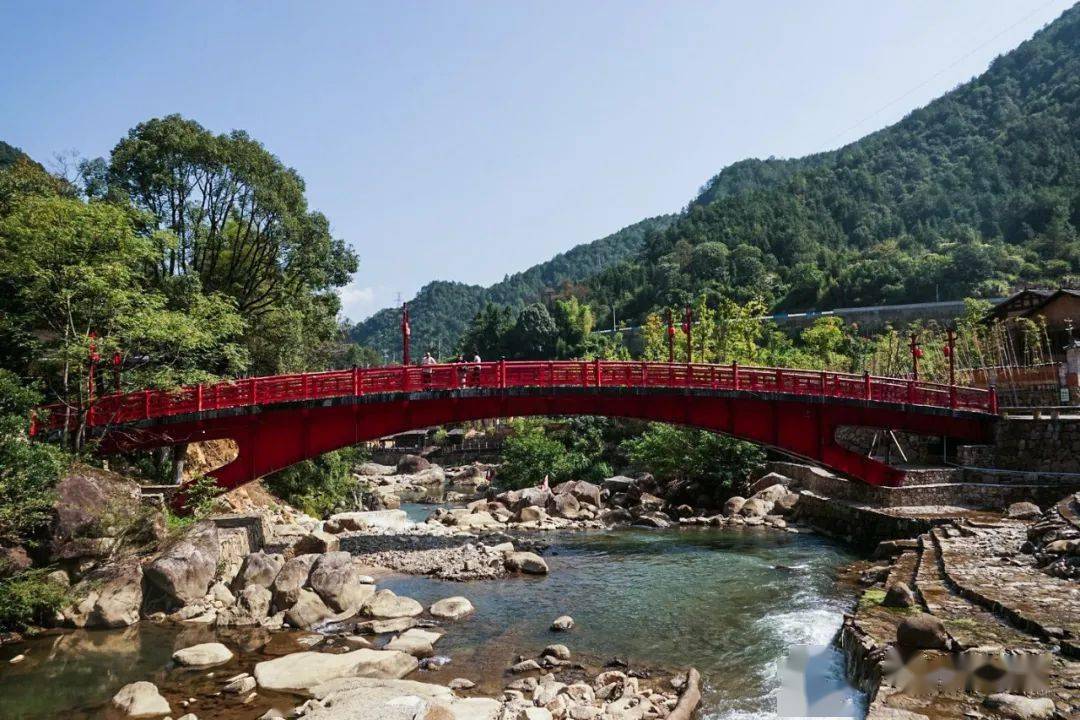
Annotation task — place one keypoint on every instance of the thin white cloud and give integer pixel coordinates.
(357, 302)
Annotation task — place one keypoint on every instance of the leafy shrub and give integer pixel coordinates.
(321, 485)
(29, 598)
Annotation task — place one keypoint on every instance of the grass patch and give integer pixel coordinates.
(871, 599)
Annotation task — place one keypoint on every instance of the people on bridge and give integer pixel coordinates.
(462, 370)
(427, 361)
(476, 366)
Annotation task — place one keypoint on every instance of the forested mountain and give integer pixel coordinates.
(973, 194)
(9, 154)
(442, 310)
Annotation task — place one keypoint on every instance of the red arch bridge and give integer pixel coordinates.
(281, 420)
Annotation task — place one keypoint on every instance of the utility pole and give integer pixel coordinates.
(688, 330)
(406, 332)
(670, 337)
(916, 353)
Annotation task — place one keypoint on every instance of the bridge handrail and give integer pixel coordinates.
(130, 407)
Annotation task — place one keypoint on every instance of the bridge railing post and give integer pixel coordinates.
(146, 404)
(735, 375)
(199, 397)
(824, 383)
(953, 400)
(779, 380)
(596, 366)
(502, 374)
(644, 374)
(253, 392)
(357, 388)
(868, 393)
(550, 374)
(911, 392)
(993, 400)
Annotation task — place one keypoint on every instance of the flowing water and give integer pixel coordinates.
(729, 602)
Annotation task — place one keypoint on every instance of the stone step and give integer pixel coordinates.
(983, 566)
(969, 624)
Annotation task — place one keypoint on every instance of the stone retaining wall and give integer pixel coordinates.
(1042, 445)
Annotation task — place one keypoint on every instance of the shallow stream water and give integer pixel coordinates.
(729, 602)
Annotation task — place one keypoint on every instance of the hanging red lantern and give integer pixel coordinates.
(947, 351)
(918, 352)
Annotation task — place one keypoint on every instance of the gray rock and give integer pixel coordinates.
(733, 505)
(1024, 511)
(337, 580)
(525, 666)
(302, 671)
(240, 685)
(308, 610)
(386, 605)
(416, 642)
(565, 505)
(922, 632)
(532, 513)
(562, 623)
(1019, 707)
(292, 576)
(183, 572)
(259, 568)
(526, 562)
(204, 655)
(756, 508)
(899, 595)
(557, 651)
(409, 464)
(317, 542)
(451, 608)
(110, 597)
(140, 699)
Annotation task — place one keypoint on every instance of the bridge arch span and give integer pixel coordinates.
(280, 431)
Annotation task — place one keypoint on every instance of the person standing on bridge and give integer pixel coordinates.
(476, 369)
(462, 370)
(427, 361)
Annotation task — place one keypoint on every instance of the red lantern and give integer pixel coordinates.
(918, 352)
(947, 350)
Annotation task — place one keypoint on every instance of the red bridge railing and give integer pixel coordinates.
(148, 404)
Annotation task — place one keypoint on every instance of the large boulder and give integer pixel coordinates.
(416, 642)
(564, 505)
(183, 572)
(1024, 511)
(90, 505)
(140, 700)
(371, 469)
(366, 520)
(619, 484)
(1019, 707)
(451, 608)
(733, 505)
(374, 699)
(535, 496)
(922, 632)
(756, 508)
(772, 493)
(338, 581)
(308, 610)
(292, 576)
(204, 655)
(410, 464)
(386, 605)
(525, 562)
(109, 597)
(532, 513)
(259, 568)
(302, 671)
(251, 608)
(899, 595)
(317, 541)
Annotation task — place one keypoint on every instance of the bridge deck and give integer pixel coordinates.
(125, 408)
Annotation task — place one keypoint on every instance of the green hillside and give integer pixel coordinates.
(974, 194)
(442, 310)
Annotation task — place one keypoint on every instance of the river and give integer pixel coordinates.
(727, 601)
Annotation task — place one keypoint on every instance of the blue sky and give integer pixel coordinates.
(468, 140)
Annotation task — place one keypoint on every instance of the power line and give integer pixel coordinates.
(939, 73)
